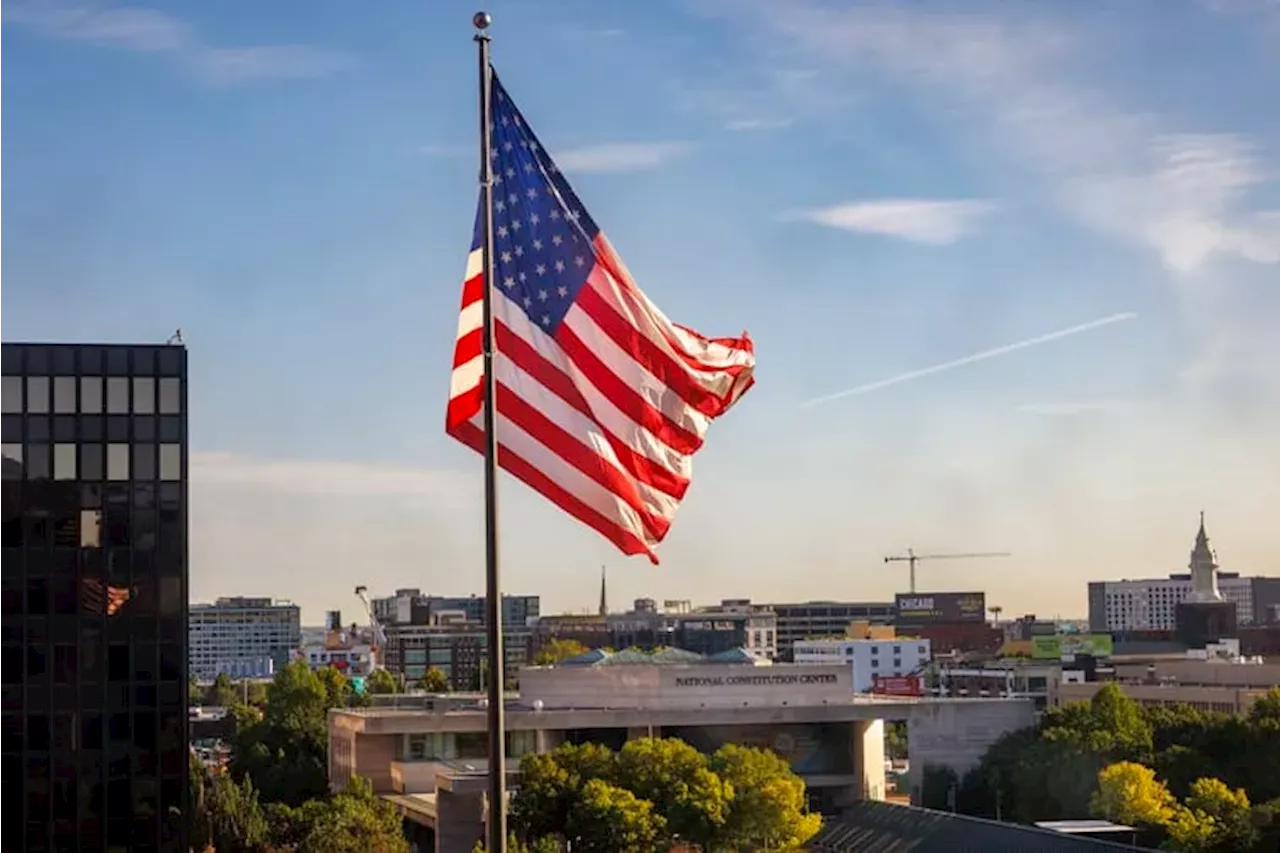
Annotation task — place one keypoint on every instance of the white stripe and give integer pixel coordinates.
(634, 374)
(609, 416)
(475, 263)
(568, 478)
(470, 318)
(581, 428)
(657, 327)
(466, 376)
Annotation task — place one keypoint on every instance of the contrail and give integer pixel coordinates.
(970, 359)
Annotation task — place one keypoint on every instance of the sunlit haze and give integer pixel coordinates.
(1012, 272)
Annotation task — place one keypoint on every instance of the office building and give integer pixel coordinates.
(870, 659)
(238, 634)
(411, 607)
(813, 620)
(95, 590)
(1152, 604)
(458, 650)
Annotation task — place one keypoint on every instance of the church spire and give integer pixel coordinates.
(604, 600)
(1204, 578)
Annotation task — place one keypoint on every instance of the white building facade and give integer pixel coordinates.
(1152, 604)
(895, 656)
(236, 635)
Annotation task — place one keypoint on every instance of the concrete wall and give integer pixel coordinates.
(868, 759)
(374, 755)
(956, 734)
(693, 686)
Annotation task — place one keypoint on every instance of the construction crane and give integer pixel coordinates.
(379, 635)
(911, 558)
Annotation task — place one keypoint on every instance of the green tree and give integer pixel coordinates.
(337, 687)
(1130, 793)
(195, 693)
(550, 783)
(768, 810)
(222, 693)
(610, 819)
(256, 693)
(285, 751)
(895, 739)
(381, 681)
(1227, 811)
(676, 779)
(225, 815)
(354, 820)
(556, 650)
(434, 681)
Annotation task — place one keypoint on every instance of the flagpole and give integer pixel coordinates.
(497, 826)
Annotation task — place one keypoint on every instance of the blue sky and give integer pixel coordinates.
(869, 188)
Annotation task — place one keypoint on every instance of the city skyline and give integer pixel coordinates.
(874, 192)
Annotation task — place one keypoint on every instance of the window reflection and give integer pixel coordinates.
(91, 395)
(38, 395)
(117, 461)
(144, 395)
(64, 395)
(117, 395)
(12, 395)
(99, 597)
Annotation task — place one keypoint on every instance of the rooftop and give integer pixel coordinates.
(665, 656)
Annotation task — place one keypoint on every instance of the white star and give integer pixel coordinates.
(532, 192)
(528, 303)
(499, 206)
(578, 260)
(559, 266)
(515, 225)
(537, 244)
(542, 294)
(533, 145)
(555, 213)
(556, 239)
(523, 278)
(573, 215)
(511, 173)
(534, 219)
(507, 146)
(540, 269)
(505, 121)
(528, 166)
(497, 179)
(509, 282)
(546, 319)
(562, 290)
(502, 230)
(506, 257)
(520, 252)
(513, 198)
(552, 168)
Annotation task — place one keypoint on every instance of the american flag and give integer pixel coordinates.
(602, 401)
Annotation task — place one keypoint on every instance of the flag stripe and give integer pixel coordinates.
(601, 400)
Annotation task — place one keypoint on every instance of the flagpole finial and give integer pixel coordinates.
(481, 20)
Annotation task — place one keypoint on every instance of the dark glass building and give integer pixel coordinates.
(95, 592)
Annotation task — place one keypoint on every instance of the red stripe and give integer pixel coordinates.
(521, 353)
(651, 356)
(628, 401)
(553, 437)
(627, 542)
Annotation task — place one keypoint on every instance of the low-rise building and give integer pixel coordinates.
(812, 620)
(1209, 685)
(870, 659)
(428, 754)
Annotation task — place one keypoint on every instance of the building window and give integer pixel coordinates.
(12, 461)
(37, 462)
(117, 461)
(38, 395)
(170, 396)
(91, 461)
(64, 462)
(144, 395)
(117, 395)
(64, 395)
(12, 395)
(170, 462)
(144, 462)
(91, 395)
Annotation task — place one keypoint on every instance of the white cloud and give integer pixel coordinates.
(621, 156)
(931, 221)
(1119, 171)
(758, 124)
(150, 31)
(231, 65)
(1080, 407)
(326, 477)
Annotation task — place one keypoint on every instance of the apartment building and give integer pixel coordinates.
(239, 634)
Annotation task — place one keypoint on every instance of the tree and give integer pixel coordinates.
(895, 739)
(337, 687)
(195, 693)
(381, 681)
(256, 693)
(285, 751)
(225, 815)
(740, 798)
(556, 650)
(434, 681)
(1226, 811)
(768, 809)
(1130, 793)
(222, 693)
(354, 820)
(1266, 706)
(610, 819)
(676, 779)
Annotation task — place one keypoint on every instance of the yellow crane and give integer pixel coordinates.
(911, 558)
